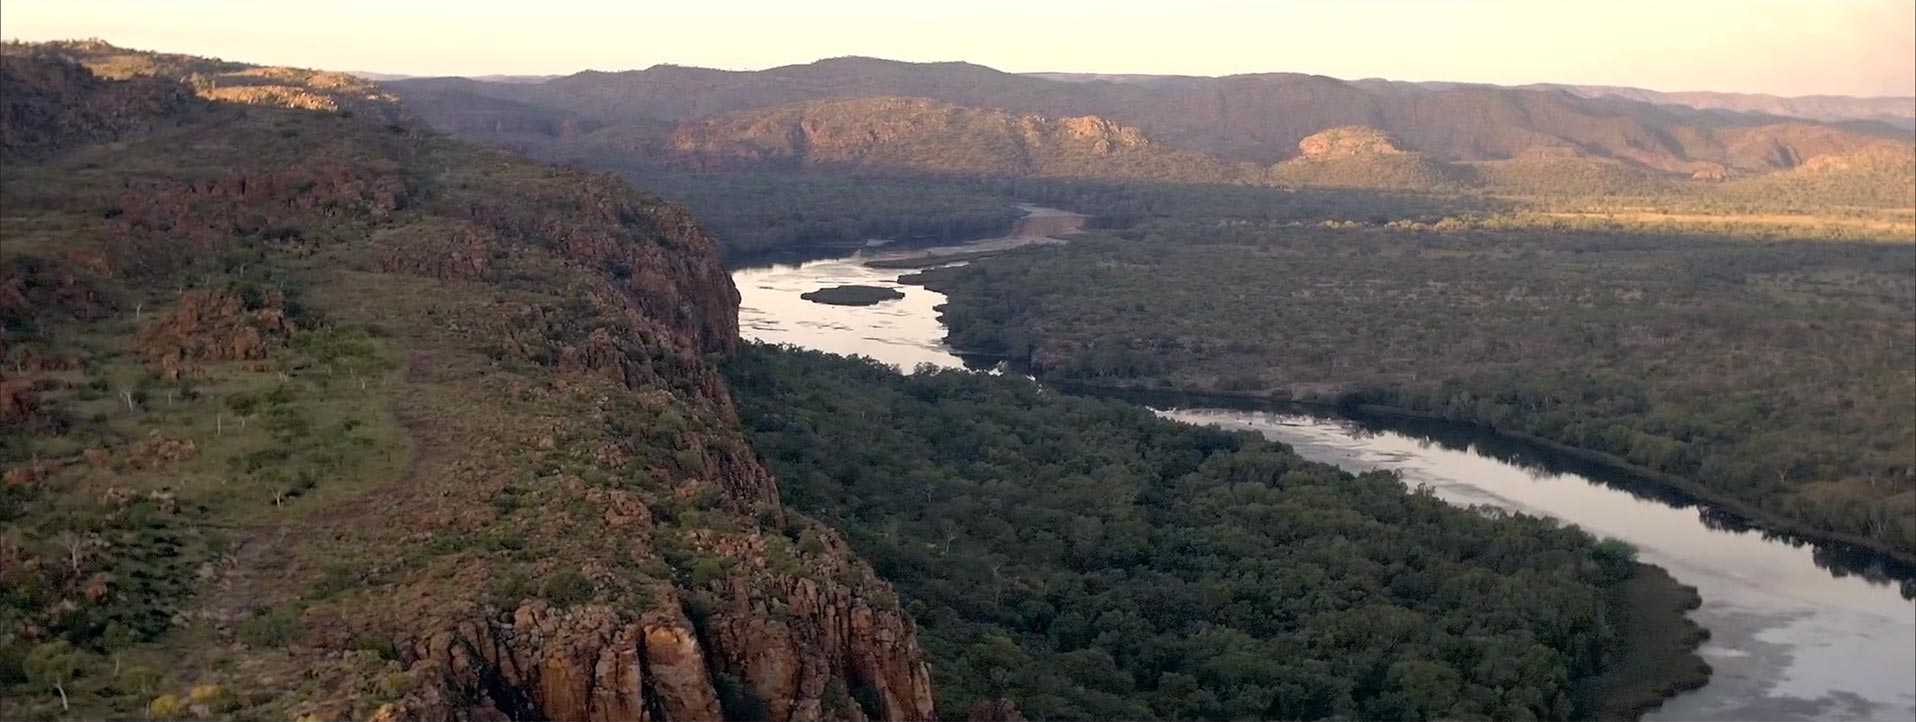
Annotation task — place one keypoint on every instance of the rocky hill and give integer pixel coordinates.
(1360, 157)
(48, 106)
(1245, 118)
(1900, 112)
(911, 134)
(311, 412)
(216, 79)
(1880, 177)
(1896, 111)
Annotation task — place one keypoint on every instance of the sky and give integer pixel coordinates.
(1785, 47)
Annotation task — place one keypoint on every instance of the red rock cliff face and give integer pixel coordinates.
(583, 663)
(795, 640)
(789, 638)
(796, 646)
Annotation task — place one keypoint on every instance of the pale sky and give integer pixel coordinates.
(1787, 47)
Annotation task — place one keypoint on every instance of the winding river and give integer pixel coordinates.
(1798, 630)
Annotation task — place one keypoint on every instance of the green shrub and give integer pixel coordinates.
(707, 570)
(377, 645)
(166, 706)
(737, 701)
(395, 685)
(568, 587)
(277, 627)
(511, 589)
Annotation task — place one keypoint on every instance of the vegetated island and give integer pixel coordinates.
(936, 259)
(853, 295)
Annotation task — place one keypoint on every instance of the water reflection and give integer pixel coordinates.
(1799, 630)
(1836, 558)
(905, 332)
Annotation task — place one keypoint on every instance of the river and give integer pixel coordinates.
(905, 332)
(1798, 630)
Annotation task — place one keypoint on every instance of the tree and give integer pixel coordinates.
(51, 665)
(76, 546)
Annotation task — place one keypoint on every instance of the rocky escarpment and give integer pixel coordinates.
(1243, 118)
(583, 663)
(572, 525)
(828, 633)
(914, 134)
(802, 660)
(794, 638)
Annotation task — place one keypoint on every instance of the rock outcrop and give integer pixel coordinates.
(1361, 157)
(18, 402)
(215, 325)
(788, 638)
(1347, 141)
(581, 663)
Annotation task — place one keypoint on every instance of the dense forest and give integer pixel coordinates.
(757, 213)
(753, 213)
(1088, 560)
(1777, 374)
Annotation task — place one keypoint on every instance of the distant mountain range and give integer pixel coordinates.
(630, 117)
(1900, 112)
(495, 78)
(1897, 111)
(910, 134)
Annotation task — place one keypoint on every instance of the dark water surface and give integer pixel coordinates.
(1799, 630)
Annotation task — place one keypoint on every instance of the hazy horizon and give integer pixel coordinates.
(1777, 47)
(381, 73)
